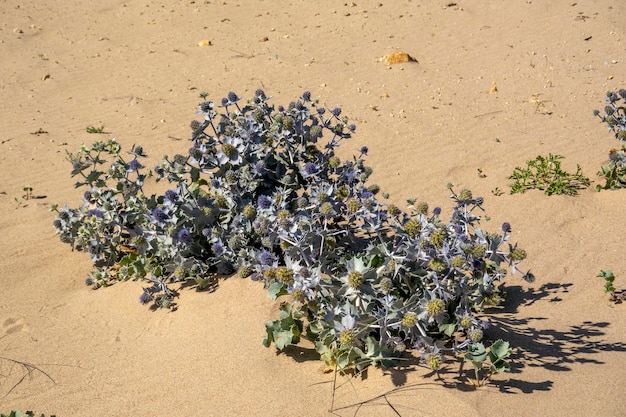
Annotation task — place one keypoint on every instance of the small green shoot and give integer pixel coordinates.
(608, 276)
(617, 296)
(497, 192)
(540, 105)
(545, 173)
(95, 130)
(28, 192)
(496, 354)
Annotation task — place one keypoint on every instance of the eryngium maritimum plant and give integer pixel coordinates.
(261, 192)
(615, 117)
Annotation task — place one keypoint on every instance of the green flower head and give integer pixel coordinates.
(434, 361)
(355, 279)
(435, 307)
(285, 275)
(422, 208)
(409, 319)
(438, 237)
(347, 337)
(517, 255)
(412, 228)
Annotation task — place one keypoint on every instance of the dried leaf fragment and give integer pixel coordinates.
(398, 57)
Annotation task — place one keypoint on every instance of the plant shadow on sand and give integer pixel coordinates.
(553, 350)
(550, 349)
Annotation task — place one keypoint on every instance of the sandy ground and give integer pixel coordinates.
(136, 67)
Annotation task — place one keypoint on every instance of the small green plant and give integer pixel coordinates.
(28, 192)
(616, 296)
(95, 130)
(545, 173)
(497, 192)
(608, 276)
(615, 117)
(496, 354)
(540, 105)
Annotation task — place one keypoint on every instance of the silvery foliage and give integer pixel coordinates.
(615, 118)
(262, 193)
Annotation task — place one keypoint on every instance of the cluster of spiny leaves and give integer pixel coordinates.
(262, 193)
(419, 283)
(615, 117)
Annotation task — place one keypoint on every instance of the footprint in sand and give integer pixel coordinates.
(13, 325)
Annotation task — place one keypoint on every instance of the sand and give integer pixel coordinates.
(495, 83)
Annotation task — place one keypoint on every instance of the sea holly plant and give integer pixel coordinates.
(615, 117)
(261, 193)
(419, 283)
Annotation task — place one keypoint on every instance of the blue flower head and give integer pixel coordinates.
(310, 169)
(206, 107)
(266, 258)
(258, 168)
(184, 236)
(218, 248)
(171, 196)
(134, 166)
(137, 151)
(96, 213)
(232, 97)
(264, 202)
(159, 215)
